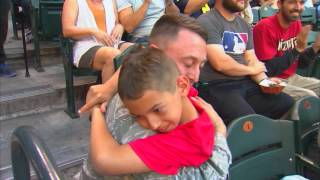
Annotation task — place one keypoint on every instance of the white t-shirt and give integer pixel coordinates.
(86, 19)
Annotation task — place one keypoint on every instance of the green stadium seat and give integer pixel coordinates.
(313, 70)
(312, 37)
(70, 70)
(255, 13)
(306, 113)
(46, 24)
(317, 6)
(261, 148)
(308, 16)
(50, 19)
(267, 11)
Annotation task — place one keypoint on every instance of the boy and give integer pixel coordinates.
(161, 100)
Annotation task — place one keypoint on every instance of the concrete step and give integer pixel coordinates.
(41, 92)
(14, 48)
(67, 139)
(48, 60)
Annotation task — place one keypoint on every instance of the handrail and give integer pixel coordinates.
(27, 146)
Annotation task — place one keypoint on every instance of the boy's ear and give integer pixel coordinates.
(183, 85)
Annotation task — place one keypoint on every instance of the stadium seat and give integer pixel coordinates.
(313, 69)
(255, 13)
(317, 6)
(308, 16)
(312, 37)
(46, 24)
(306, 113)
(50, 19)
(70, 70)
(261, 148)
(266, 11)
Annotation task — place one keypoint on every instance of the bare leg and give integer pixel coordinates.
(103, 61)
(125, 46)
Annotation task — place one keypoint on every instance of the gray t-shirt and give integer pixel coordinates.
(235, 37)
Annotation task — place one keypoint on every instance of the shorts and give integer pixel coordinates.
(87, 58)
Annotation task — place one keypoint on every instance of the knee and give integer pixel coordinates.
(286, 102)
(109, 53)
(311, 93)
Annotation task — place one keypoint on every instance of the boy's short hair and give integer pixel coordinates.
(146, 69)
(167, 28)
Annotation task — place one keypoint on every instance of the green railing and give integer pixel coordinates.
(27, 146)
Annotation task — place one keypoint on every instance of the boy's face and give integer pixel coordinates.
(155, 110)
(160, 111)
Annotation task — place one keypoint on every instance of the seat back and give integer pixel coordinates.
(266, 11)
(311, 70)
(255, 13)
(69, 71)
(317, 7)
(262, 148)
(312, 37)
(307, 113)
(308, 16)
(50, 19)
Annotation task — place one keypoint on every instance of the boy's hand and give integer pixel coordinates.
(96, 95)
(215, 118)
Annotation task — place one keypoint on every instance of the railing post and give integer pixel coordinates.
(21, 169)
(27, 146)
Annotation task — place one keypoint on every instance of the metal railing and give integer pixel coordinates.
(27, 146)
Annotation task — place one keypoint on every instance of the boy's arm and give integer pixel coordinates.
(218, 123)
(107, 156)
(101, 93)
(221, 156)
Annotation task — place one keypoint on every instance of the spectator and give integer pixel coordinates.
(171, 8)
(308, 3)
(164, 102)
(183, 40)
(194, 8)
(94, 26)
(139, 16)
(233, 72)
(261, 3)
(283, 47)
(5, 71)
(247, 14)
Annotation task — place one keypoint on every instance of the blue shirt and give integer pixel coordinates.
(155, 11)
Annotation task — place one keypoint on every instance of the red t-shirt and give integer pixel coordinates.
(189, 144)
(271, 40)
